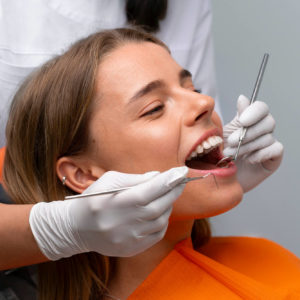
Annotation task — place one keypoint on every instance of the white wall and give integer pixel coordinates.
(243, 32)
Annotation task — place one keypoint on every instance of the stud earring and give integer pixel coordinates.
(64, 180)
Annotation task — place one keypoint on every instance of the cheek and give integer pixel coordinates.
(136, 148)
(155, 146)
(217, 120)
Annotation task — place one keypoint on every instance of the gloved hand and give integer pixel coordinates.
(260, 153)
(121, 224)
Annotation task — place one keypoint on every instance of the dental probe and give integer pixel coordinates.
(114, 191)
(225, 160)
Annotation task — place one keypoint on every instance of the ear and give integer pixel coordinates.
(78, 172)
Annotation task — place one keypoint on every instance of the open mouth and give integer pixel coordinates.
(206, 155)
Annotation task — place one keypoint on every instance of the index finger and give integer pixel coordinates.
(154, 188)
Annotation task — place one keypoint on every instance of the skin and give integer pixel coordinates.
(20, 248)
(148, 132)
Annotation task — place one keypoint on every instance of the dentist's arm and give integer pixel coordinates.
(122, 224)
(18, 246)
(260, 154)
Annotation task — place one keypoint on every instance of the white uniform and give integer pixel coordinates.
(33, 31)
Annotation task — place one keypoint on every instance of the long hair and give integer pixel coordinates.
(49, 119)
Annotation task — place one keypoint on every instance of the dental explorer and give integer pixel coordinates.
(114, 191)
(226, 160)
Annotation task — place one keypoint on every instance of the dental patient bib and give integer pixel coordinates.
(225, 268)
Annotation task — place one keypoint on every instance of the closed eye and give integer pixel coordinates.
(155, 110)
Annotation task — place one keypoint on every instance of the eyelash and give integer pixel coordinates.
(160, 107)
(153, 111)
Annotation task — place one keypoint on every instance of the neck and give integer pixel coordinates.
(132, 271)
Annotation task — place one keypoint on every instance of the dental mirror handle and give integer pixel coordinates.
(253, 97)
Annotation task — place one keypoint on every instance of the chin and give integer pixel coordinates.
(227, 200)
(198, 202)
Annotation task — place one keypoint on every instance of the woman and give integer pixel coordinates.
(185, 27)
(118, 101)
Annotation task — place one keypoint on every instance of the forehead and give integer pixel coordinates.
(134, 64)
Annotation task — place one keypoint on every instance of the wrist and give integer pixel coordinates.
(18, 247)
(51, 229)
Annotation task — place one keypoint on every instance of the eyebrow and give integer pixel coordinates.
(157, 84)
(184, 74)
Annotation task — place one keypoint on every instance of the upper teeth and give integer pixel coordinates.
(206, 146)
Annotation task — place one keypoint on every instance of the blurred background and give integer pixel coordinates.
(243, 31)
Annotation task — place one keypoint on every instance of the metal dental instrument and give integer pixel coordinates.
(226, 160)
(188, 179)
(114, 191)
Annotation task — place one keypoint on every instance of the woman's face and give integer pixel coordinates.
(148, 117)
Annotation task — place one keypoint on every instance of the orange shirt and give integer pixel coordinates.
(2, 152)
(227, 268)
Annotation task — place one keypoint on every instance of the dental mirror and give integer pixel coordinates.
(223, 163)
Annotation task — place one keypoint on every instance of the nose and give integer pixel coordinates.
(197, 107)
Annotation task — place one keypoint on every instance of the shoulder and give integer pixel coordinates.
(238, 242)
(222, 247)
(259, 258)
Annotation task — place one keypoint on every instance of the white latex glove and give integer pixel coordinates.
(260, 154)
(121, 224)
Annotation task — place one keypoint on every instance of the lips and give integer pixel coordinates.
(230, 170)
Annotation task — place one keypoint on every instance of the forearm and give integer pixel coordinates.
(18, 246)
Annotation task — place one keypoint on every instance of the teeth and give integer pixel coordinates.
(219, 139)
(200, 149)
(194, 154)
(213, 140)
(206, 146)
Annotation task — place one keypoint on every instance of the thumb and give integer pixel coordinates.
(175, 175)
(242, 103)
(113, 180)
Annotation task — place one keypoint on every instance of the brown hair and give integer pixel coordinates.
(49, 119)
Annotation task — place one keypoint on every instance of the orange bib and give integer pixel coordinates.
(232, 268)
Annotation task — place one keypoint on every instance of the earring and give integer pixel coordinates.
(64, 180)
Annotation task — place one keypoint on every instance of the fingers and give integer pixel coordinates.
(155, 216)
(156, 208)
(155, 225)
(259, 143)
(272, 152)
(146, 241)
(231, 127)
(242, 103)
(112, 180)
(254, 113)
(248, 116)
(148, 233)
(154, 188)
(264, 126)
